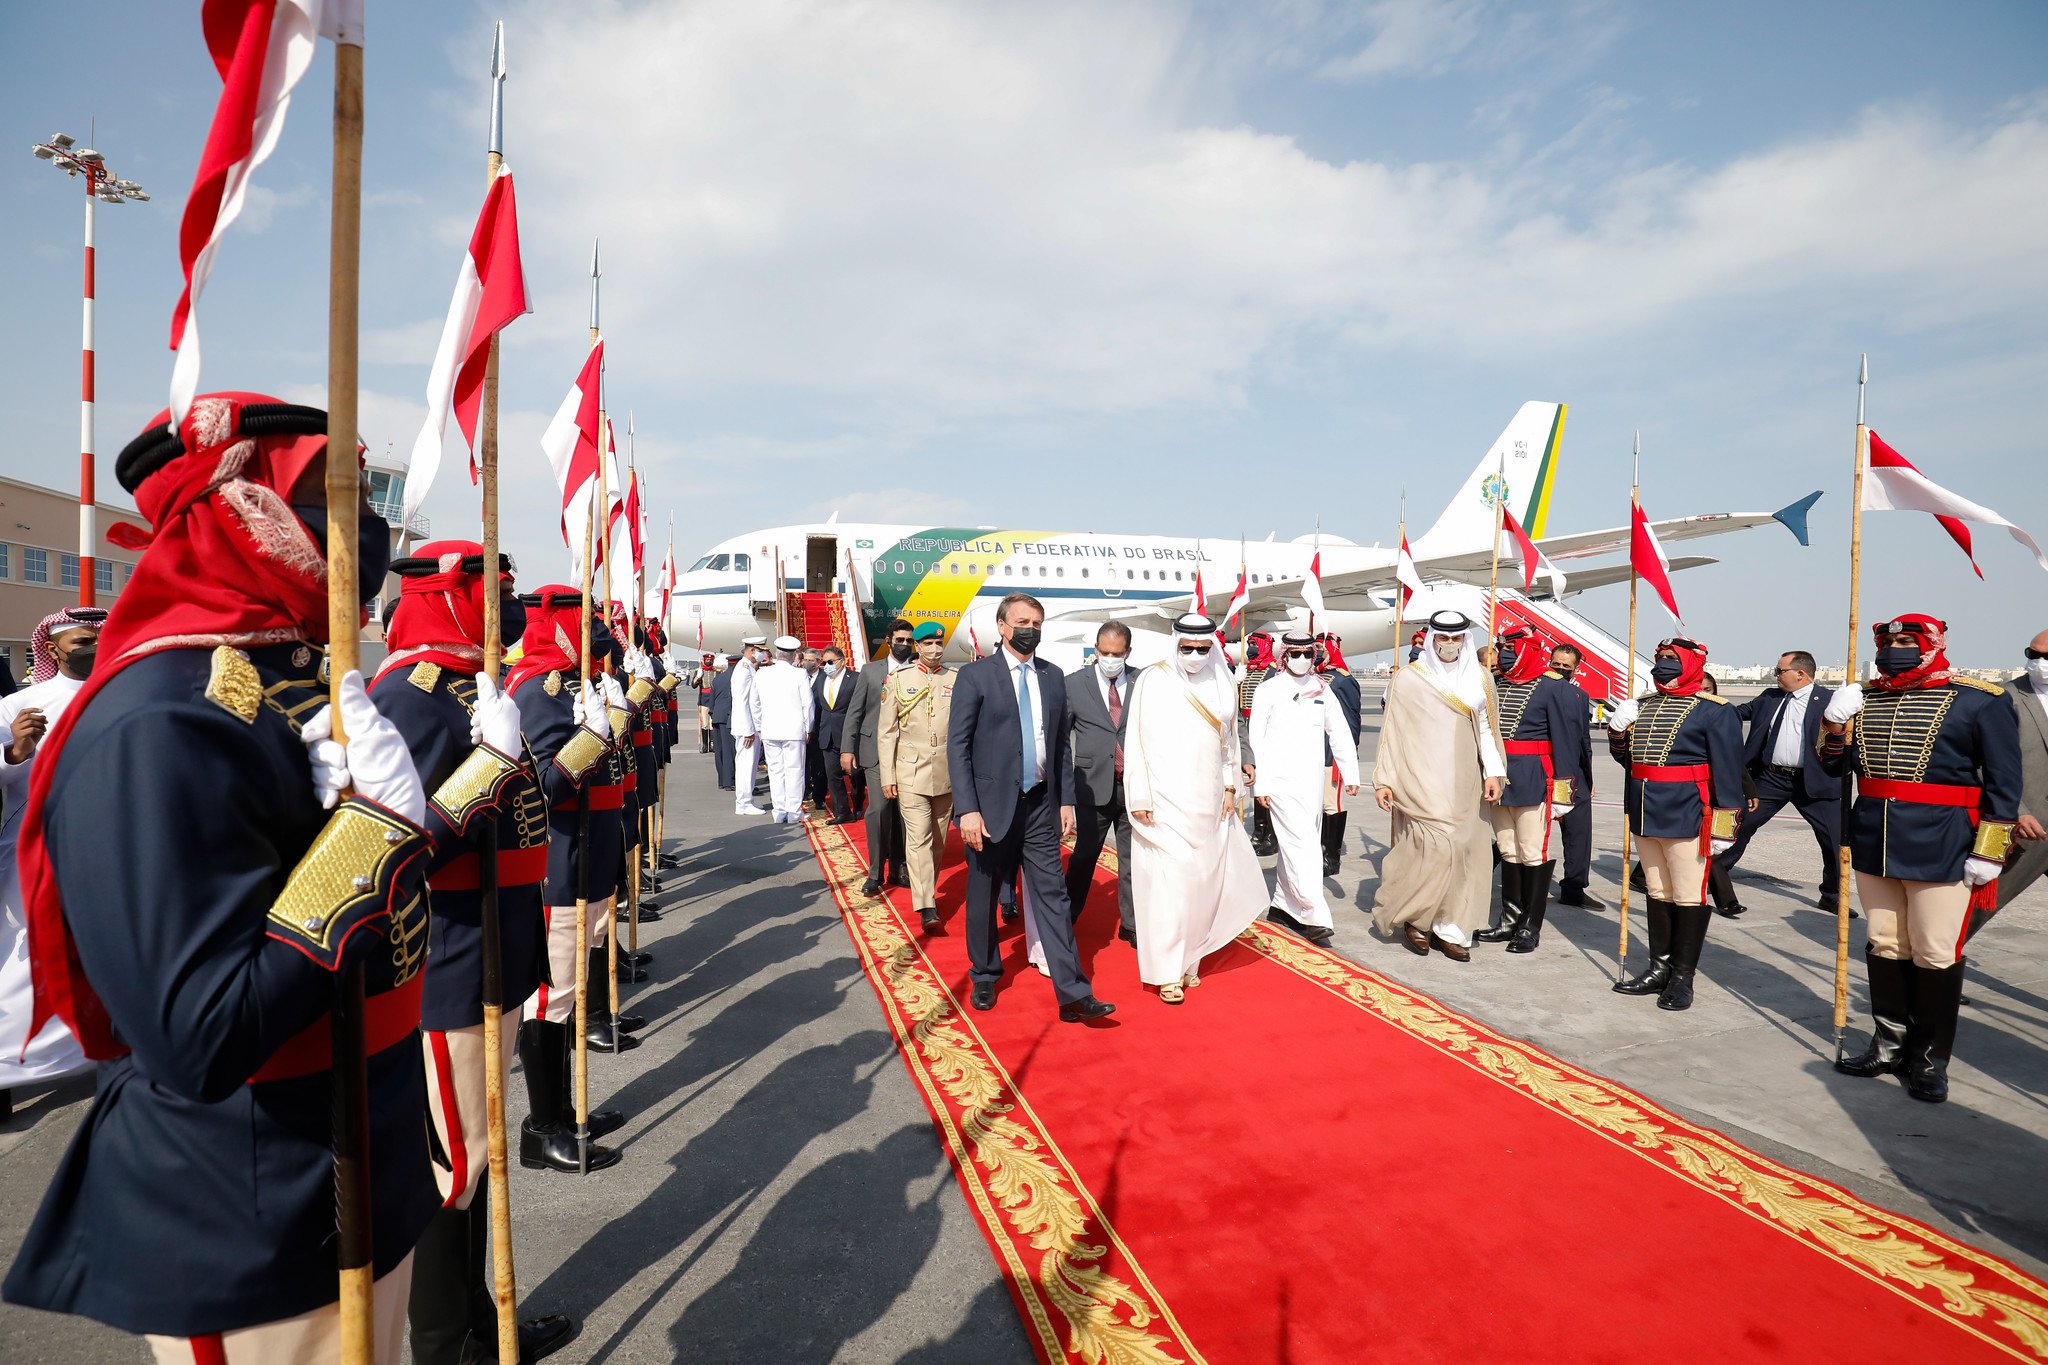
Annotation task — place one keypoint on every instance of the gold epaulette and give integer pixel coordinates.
(671, 681)
(1718, 700)
(477, 785)
(346, 878)
(1995, 689)
(622, 722)
(553, 685)
(234, 685)
(1994, 841)
(425, 675)
(580, 754)
(640, 691)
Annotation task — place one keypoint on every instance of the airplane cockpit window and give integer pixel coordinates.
(703, 563)
(742, 562)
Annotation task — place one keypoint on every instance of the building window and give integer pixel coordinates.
(6, 553)
(67, 569)
(103, 575)
(35, 565)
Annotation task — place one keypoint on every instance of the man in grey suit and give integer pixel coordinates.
(2029, 694)
(1098, 702)
(857, 736)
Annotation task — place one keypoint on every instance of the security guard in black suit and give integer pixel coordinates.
(1575, 826)
(721, 724)
(1787, 770)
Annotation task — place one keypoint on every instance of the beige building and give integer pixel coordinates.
(39, 561)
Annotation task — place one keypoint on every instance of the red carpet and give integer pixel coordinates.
(1309, 1163)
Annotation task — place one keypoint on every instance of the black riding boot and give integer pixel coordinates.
(1535, 888)
(1688, 936)
(443, 1283)
(546, 1140)
(1891, 1018)
(1512, 899)
(597, 1014)
(1264, 842)
(1333, 840)
(1937, 996)
(1650, 980)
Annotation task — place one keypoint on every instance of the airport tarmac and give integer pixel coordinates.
(783, 1196)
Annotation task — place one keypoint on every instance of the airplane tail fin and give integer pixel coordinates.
(1526, 455)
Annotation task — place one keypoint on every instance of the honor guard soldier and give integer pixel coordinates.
(1542, 726)
(608, 672)
(1682, 747)
(465, 741)
(1937, 763)
(910, 737)
(195, 883)
(1258, 666)
(568, 734)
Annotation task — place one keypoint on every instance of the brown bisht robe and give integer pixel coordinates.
(1435, 753)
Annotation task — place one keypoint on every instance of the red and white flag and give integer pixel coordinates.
(1312, 586)
(1533, 561)
(261, 48)
(615, 545)
(571, 443)
(1239, 596)
(490, 291)
(1892, 484)
(1646, 557)
(1406, 574)
(668, 581)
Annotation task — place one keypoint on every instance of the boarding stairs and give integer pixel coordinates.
(819, 620)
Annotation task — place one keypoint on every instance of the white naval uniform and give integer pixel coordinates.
(783, 707)
(745, 724)
(1292, 718)
(54, 1052)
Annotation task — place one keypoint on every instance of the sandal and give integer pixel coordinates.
(1172, 994)
(1190, 981)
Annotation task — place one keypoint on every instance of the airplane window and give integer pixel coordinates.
(1176, 575)
(1041, 571)
(917, 566)
(899, 566)
(1148, 575)
(1129, 574)
(1084, 573)
(742, 562)
(1061, 572)
(703, 563)
(955, 568)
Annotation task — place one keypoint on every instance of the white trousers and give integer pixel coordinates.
(1297, 818)
(744, 758)
(311, 1338)
(785, 759)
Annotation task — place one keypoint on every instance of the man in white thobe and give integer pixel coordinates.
(1294, 716)
(63, 648)
(783, 710)
(746, 724)
(1195, 883)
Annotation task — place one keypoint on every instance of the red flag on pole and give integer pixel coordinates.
(490, 291)
(1533, 561)
(1312, 586)
(1647, 558)
(1239, 596)
(1894, 485)
(1406, 574)
(571, 443)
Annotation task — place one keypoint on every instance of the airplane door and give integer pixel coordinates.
(821, 563)
(762, 573)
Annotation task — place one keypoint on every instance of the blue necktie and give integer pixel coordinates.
(1027, 726)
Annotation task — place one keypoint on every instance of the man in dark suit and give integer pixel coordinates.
(1781, 755)
(721, 724)
(857, 747)
(832, 695)
(1576, 825)
(2029, 693)
(1098, 702)
(1013, 795)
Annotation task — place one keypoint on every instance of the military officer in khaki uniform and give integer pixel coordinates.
(916, 707)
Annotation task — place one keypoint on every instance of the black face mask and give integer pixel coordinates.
(373, 546)
(1666, 671)
(1024, 639)
(1893, 660)
(902, 653)
(1506, 654)
(1565, 671)
(78, 663)
(511, 618)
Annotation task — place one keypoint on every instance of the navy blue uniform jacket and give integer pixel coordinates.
(435, 723)
(721, 698)
(1682, 732)
(550, 722)
(1963, 734)
(1545, 709)
(193, 1200)
(985, 747)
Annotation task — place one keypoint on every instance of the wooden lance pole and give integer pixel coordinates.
(592, 505)
(1500, 507)
(1635, 501)
(504, 1285)
(625, 741)
(355, 1250)
(1400, 590)
(1848, 676)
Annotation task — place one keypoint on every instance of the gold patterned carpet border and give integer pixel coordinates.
(1976, 1291)
(1076, 1285)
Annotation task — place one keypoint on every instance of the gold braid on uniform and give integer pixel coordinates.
(347, 878)
(580, 754)
(478, 785)
(639, 692)
(1993, 842)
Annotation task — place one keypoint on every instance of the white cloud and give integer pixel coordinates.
(262, 204)
(1410, 36)
(949, 212)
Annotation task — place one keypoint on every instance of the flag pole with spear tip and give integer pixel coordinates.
(625, 741)
(1500, 507)
(1849, 676)
(504, 1286)
(588, 698)
(661, 788)
(1400, 592)
(632, 631)
(1635, 502)
(356, 1259)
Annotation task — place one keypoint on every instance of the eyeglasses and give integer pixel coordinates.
(1781, 672)
(1195, 649)
(2037, 654)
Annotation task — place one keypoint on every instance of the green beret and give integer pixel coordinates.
(930, 630)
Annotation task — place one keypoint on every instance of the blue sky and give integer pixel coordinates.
(1214, 269)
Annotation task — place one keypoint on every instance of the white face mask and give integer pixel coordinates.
(2037, 669)
(1112, 665)
(1192, 663)
(1299, 666)
(831, 669)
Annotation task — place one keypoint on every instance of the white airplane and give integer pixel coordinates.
(848, 581)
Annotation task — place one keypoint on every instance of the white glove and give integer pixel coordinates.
(1622, 716)
(640, 665)
(615, 695)
(495, 721)
(1845, 705)
(1977, 871)
(1721, 846)
(590, 713)
(1559, 812)
(376, 763)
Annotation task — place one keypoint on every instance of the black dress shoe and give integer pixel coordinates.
(930, 917)
(554, 1149)
(1316, 933)
(1329, 866)
(1584, 900)
(1086, 1008)
(599, 1036)
(640, 959)
(871, 887)
(1266, 850)
(632, 1023)
(1129, 936)
(650, 911)
(1731, 910)
(539, 1338)
(669, 860)
(600, 1122)
(899, 878)
(984, 997)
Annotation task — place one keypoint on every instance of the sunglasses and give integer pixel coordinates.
(1195, 649)
(2037, 654)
